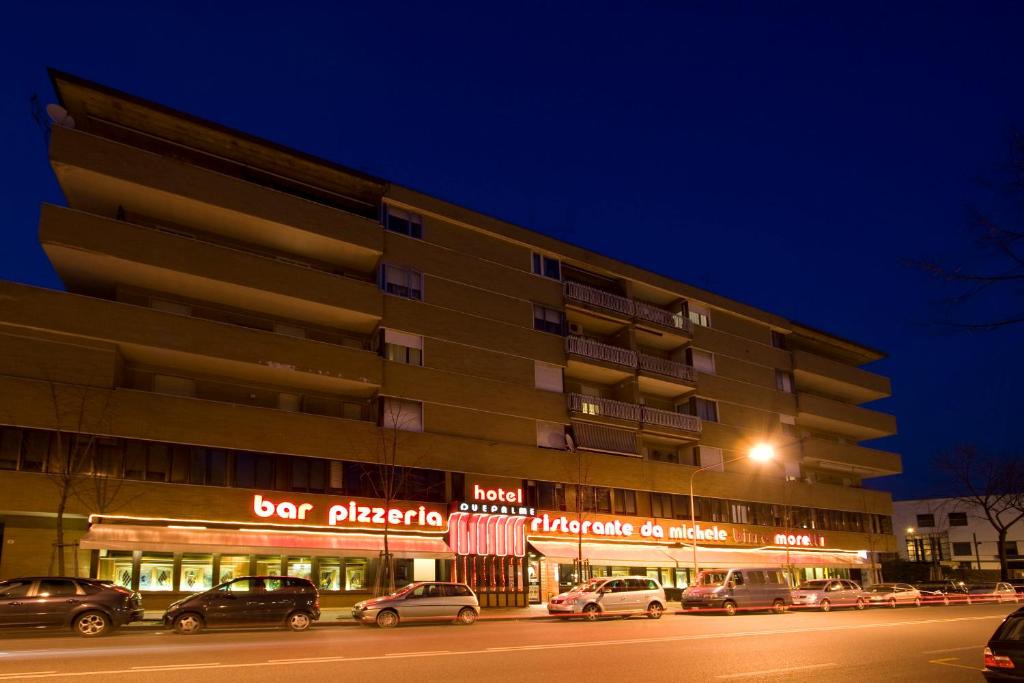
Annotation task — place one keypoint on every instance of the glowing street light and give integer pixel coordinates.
(761, 452)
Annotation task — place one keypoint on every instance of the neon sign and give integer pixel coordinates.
(498, 495)
(350, 512)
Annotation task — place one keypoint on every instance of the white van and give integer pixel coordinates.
(739, 590)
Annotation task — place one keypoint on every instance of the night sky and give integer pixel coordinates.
(793, 156)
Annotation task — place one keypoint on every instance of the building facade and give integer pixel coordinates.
(265, 362)
(948, 534)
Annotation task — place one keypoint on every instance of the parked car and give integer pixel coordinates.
(421, 601)
(1018, 585)
(1004, 654)
(894, 595)
(992, 592)
(87, 606)
(826, 594)
(733, 590)
(619, 596)
(248, 600)
(948, 592)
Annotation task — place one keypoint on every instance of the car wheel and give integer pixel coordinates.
(590, 612)
(387, 619)
(188, 624)
(655, 610)
(92, 624)
(892, 603)
(299, 621)
(825, 606)
(467, 616)
(917, 602)
(860, 603)
(945, 600)
(778, 606)
(729, 607)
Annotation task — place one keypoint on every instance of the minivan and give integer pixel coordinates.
(733, 590)
(611, 595)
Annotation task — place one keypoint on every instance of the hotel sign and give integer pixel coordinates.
(496, 501)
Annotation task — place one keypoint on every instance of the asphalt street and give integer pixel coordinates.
(907, 644)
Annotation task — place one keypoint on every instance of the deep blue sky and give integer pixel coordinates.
(790, 155)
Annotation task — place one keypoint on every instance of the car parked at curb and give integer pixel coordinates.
(893, 595)
(729, 591)
(999, 591)
(86, 606)
(828, 594)
(948, 592)
(621, 596)
(420, 601)
(285, 601)
(1004, 653)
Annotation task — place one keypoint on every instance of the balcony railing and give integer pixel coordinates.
(600, 298)
(595, 405)
(589, 348)
(660, 316)
(667, 367)
(666, 418)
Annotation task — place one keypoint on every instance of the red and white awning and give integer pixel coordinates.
(472, 533)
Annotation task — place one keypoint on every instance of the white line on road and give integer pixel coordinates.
(428, 653)
(174, 667)
(305, 659)
(8, 677)
(768, 672)
(954, 649)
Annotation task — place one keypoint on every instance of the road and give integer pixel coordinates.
(908, 644)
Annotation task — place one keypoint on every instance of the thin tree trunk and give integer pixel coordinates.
(61, 506)
(1004, 572)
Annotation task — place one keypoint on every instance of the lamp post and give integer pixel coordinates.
(760, 453)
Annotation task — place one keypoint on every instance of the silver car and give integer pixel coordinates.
(420, 601)
(893, 595)
(619, 596)
(826, 594)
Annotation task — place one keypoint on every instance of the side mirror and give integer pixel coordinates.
(730, 584)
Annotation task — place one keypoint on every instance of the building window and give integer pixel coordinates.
(594, 499)
(1011, 549)
(196, 573)
(703, 408)
(10, 448)
(403, 222)
(625, 502)
(548, 319)
(958, 519)
(551, 435)
(664, 454)
(402, 347)
(661, 505)
(741, 513)
(699, 315)
(778, 340)
(404, 282)
(546, 266)
(926, 520)
(784, 381)
(546, 376)
(962, 549)
(702, 361)
(711, 457)
(156, 572)
(399, 414)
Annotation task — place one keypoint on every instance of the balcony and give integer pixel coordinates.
(663, 377)
(666, 419)
(659, 316)
(656, 327)
(831, 378)
(597, 298)
(597, 362)
(595, 406)
(827, 415)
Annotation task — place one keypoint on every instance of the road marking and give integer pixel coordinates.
(6, 677)
(948, 661)
(174, 667)
(954, 649)
(305, 659)
(768, 672)
(428, 653)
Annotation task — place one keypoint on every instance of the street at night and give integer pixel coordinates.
(906, 644)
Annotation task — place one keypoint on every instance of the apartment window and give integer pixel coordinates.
(548, 319)
(1011, 549)
(778, 340)
(702, 361)
(550, 496)
(740, 513)
(625, 502)
(661, 505)
(404, 282)
(958, 519)
(547, 377)
(10, 448)
(784, 381)
(926, 520)
(595, 499)
(402, 347)
(546, 266)
(664, 454)
(962, 549)
(551, 435)
(703, 408)
(403, 222)
(699, 315)
(404, 415)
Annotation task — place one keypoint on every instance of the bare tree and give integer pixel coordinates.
(997, 268)
(992, 489)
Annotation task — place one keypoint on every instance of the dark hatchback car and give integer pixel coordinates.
(248, 601)
(88, 607)
(948, 592)
(1004, 655)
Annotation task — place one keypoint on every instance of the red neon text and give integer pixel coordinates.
(499, 494)
(285, 510)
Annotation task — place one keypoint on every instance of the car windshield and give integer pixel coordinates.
(711, 578)
(588, 586)
(814, 585)
(401, 592)
(882, 588)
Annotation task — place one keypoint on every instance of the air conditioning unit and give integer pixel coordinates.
(575, 328)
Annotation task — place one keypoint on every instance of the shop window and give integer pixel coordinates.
(329, 573)
(116, 566)
(355, 574)
(233, 566)
(156, 571)
(403, 572)
(299, 567)
(268, 565)
(196, 573)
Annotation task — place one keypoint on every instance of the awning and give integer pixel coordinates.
(605, 553)
(259, 541)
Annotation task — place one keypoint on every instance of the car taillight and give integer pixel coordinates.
(994, 661)
(316, 603)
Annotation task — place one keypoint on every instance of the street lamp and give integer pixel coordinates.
(762, 452)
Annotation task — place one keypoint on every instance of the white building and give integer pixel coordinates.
(946, 532)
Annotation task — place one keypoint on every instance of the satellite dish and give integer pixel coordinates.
(60, 116)
(569, 443)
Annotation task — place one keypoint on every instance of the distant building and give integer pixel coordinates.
(949, 533)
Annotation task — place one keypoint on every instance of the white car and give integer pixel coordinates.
(618, 596)
(826, 594)
(893, 595)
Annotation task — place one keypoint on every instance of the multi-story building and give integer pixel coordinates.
(948, 533)
(263, 359)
